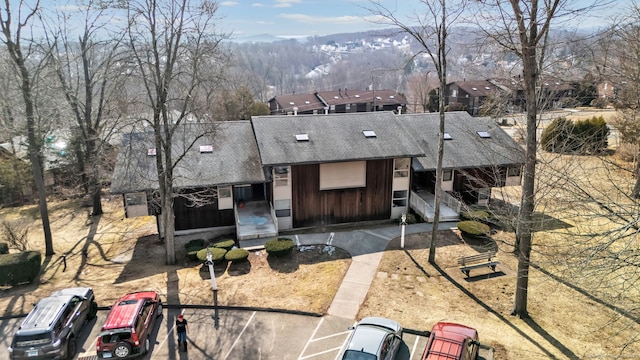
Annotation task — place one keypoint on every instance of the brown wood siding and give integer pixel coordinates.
(312, 207)
(200, 217)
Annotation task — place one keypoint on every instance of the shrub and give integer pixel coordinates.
(473, 228)
(279, 246)
(195, 243)
(237, 255)
(477, 215)
(410, 219)
(227, 244)
(192, 252)
(4, 248)
(583, 137)
(217, 254)
(19, 268)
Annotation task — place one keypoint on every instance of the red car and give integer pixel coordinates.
(128, 326)
(449, 341)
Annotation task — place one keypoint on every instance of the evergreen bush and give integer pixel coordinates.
(279, 246)
(237, 255)
(217, 254)
(4, 248)
(473, 228)
(226, 244)
(194, 243)
(477, 215)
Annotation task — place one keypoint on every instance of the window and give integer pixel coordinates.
(447, 175)
(282, 207)
(225, 200)
(224, 191)
(513, 171)
(400, 198)
(136, 199)
(281, 176)
(343, 175)
(401, 167)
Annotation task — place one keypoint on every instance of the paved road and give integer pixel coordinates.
(240, 335)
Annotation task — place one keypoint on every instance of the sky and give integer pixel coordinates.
(298, 18)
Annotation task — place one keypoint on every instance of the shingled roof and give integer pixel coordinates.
(227, 155)
(466, 148)
(332, 138)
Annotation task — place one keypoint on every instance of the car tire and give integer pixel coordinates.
(71, 348)
(122, 350)
(147, 346)
(93, 311)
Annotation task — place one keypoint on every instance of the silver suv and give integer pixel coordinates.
(50, 329)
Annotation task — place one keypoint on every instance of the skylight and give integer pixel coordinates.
(378, 97)
(357, 96)
(292, 103)
(307, 102)
(488, 88)
(447, 136)
(151, 152)
(206, 149)
(336, 97)
(484, 134)
(474, 89)
(369, 133)
(391, 97)
(302, 137)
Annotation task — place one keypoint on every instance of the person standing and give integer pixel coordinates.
(181, 329)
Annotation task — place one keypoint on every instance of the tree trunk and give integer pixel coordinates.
(636, 189)
(523, 230)
(34, 147)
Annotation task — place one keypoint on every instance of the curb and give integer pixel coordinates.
(205, 307)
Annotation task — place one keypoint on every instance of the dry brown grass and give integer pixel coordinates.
(565, 324)
(125, 255)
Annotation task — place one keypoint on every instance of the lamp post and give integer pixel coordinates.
(403, 223)
(214, 286)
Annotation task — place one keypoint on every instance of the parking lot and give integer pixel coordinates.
(240, 335)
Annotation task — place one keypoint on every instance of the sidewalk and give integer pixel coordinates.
(366, 248)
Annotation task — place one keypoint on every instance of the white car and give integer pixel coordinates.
(373, 338)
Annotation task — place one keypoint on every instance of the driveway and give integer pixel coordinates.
(241, 334)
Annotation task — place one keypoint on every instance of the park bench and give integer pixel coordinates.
(468, 263)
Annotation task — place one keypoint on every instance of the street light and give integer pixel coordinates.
(214, 286)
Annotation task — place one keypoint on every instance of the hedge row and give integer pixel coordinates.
(19, 268)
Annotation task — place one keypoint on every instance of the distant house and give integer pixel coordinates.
(469, 95)
(472, 95)
(338, 101)
(296, 104)
(285, 172)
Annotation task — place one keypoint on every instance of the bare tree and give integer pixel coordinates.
(626, 51)
(19, 53)
(522, 27)
(89, 78)
(420, 90)
(172, 42)
(430, 30)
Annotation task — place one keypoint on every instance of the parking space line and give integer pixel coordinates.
(304, 349)
(344, 343)
(240, 335)
(297, 240)
(318, 354)
(170, 331)
(330, 336)
(415, 345)
(330, 239)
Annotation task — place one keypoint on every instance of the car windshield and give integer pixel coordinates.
(115, 336)
(32, 339)
(358, 355)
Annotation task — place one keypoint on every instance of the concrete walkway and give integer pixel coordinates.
(366, 247)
